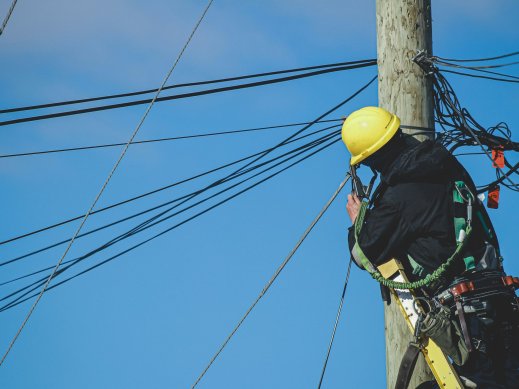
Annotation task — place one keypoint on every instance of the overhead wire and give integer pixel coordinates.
(183, 95)
(103, 187)
(482, 67)
(298, 151)
(514, 81)
(188, 84)
(8, 16)
(146, 141)
(478, 68)
(26, 295)
(271, 280)
(178, 199)
(460, 128)
(477, 59)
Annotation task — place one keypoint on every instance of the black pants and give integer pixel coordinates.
(495, 336)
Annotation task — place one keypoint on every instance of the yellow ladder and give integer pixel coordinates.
(438, 362)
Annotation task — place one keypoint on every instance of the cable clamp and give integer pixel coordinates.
(425, 61)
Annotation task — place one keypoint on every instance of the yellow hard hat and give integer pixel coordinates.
(365, 131)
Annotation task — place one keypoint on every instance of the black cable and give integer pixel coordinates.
(185, 95)
(477, 59)
(337, 317)
(153, 191)
(460, 127)
(182, 198)
(479, 76)
(479, 69)
(198, 83)
(163, 139)
(476, 153)
(8, 16)
(138, 229)
(298, 151)
(13, 304)
(513, 169)
(261, 155)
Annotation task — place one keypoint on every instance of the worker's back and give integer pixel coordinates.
(413, 214)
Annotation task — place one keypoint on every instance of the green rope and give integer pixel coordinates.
(429, 278)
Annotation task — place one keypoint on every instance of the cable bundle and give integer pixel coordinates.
(461, 129)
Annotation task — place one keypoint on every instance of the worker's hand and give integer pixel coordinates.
(353, 206)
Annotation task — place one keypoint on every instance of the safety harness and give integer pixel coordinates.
(463, 228)
(437, 324)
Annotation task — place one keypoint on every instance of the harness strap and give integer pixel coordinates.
(462, 237)
(464, 327)
(405, 372)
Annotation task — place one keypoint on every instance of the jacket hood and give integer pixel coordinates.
(427, 160)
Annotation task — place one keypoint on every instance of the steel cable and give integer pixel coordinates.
(146, 141)
(272, 280)
(182, 199)
(197, 83)
(262, 154)
(134, 133)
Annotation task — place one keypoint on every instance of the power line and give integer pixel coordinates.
(135, 132)
(272, 279)
(139, 228)
(500, 65)
(146, 225)
(464, 129)
(238, 171)
(196, 83)
(146, 194)
(8, 16)
(176, 200)
(80, 148)
(480, 76)
(184, 95)
(22, 298)
(478, 59)
(480, 69)
(262, 154)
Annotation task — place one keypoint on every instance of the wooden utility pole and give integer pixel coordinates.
(403, 28)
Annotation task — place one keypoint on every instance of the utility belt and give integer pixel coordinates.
(478, 285)
(468, 294)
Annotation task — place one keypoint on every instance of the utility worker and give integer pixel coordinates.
(414, 216)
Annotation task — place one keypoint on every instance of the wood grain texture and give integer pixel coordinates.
(403, 28)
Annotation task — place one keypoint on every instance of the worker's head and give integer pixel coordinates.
(369, 134)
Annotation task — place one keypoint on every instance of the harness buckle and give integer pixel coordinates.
(462, 288)
(510, 281)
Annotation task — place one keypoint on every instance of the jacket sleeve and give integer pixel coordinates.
(383, 236)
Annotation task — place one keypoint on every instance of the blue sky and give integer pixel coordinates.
(153, 318)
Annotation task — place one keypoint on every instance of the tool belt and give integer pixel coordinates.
(477, 285)
(468, 294)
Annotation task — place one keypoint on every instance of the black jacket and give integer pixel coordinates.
(413, 211)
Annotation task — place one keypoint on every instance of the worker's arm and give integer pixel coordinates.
(384, 235)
